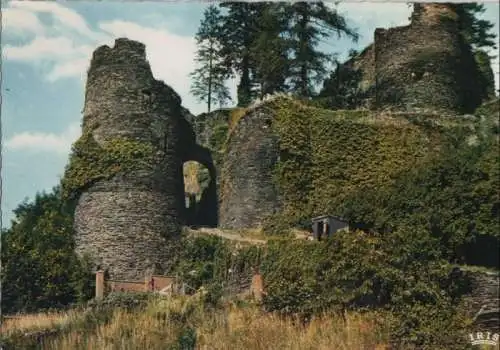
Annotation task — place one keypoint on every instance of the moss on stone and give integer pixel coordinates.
(235, 116)
(91, 162)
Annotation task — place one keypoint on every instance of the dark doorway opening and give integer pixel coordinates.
(201, 205)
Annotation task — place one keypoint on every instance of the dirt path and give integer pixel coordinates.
(226, 235)
(236, 236)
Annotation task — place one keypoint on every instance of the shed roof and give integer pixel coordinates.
(330, 217)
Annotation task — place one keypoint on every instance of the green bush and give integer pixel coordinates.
(384, 172)
(400, 272)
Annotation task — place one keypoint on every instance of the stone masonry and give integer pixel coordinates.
(130, 223)
(248, 192)
(424, 65)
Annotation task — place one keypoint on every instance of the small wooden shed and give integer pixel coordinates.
(326, 225)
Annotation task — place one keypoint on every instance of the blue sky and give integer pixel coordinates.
(46, 47)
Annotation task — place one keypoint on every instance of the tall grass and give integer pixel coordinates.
(184, 323)
(37, 322)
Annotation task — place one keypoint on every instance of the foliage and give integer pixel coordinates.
(122, 300)
(388, 172)
(240, 28)
(400, 272)
(211, 262)
(309, 23)
(314, 177)
(197, 262)
(476, 31)
(209, 78)
(39, 267)
(91, 162)
(455, 197)
(270, 49)
(272, 45)
(217, 142)
(483, 61)
(184, 323)
(342, 89)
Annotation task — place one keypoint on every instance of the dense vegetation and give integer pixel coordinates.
(422, 192)
(270, 46)
(420, 211)
(40, 269)
(438, 174)
(275, 47)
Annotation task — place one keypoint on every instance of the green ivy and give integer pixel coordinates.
(91, 161)
(326, 156)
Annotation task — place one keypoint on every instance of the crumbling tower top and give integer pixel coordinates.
(432, 13)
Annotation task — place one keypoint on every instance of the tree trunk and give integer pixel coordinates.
(303, 78)
(210, 75)
(244, 93)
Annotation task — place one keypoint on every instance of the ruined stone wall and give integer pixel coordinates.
(129, 223)
(482, 303)
(425, 65)
(248, 194)
(364, 63)
(419, 66)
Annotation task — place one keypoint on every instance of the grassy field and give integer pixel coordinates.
(184, 323)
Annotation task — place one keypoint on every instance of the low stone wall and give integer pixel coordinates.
(482, 303)
(126, 286)
(150, 283)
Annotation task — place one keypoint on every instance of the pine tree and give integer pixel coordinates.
(477, 32)
(270, 50)
(210, 76)
(240, 30)
(311, 22)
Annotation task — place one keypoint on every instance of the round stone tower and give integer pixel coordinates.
(426, 65)
(128, 222)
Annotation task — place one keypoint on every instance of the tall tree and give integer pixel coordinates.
(210, 76)
(240, 30)
(311, 22)
(477, 32)
(270, 50)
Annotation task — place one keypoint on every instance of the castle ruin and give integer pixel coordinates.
(425, 65)
(129, 222)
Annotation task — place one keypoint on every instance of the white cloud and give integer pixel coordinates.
(69, 69)
(61, 54)
(55, 48)
(377, 14)
(63, 15)
(39, 142)
(171, 56)
(21, 21)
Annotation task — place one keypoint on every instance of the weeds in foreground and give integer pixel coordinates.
(186, 323)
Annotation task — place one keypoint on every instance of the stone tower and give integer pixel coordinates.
(129, 222)
(426, 65)
(248, 192)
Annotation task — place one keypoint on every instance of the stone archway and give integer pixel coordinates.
(203, 210)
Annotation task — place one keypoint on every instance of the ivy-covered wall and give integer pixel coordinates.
(248, 194)
(287, 161)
